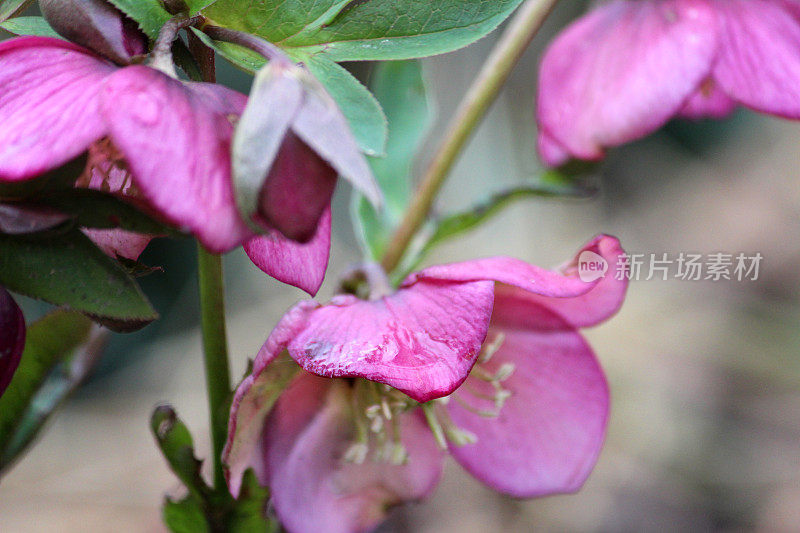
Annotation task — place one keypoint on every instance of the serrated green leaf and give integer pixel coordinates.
(196, 5)
(241, 57)
(362, 111)
(59, 352)
(457, 224)
(37, 26)
(149, 14)
(400, 89)
(369, 30)
(9, 8)
(68, 269)
(177, 445)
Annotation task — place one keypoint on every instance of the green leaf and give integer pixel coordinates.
(37, 26)
(452, 226)
(60, 350)
(367, 30)
(196, 5)
(9, 8)
(176, 443)
(400, 88)
(358, 105)
(185, 516)
(97, 209)
(150, 14)
(68, 269)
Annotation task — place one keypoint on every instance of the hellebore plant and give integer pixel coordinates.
(350, 406)
(170, 140)
(524, 409)
(624, 69)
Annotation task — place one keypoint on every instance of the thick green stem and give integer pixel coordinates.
(215, 348)
(480, 96)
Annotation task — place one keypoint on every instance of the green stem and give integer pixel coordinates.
(215, 348)
(480, 96)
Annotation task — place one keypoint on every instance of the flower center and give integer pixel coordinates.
(107, 171)
(377, 409)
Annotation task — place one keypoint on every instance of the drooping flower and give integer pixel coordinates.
(173, 138)
(482, 357)
(625, 68)
(12, 338)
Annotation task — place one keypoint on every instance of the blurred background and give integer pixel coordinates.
(705, 376)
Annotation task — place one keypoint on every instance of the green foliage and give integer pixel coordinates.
(400, 89)
(205, 509)
(59, 352)
(360, 108)
(150, 14)
(371, 30)
(9, 8)
(29, 26)
(451, 226)
(68, 269)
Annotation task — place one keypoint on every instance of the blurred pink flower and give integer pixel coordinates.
(624, 69)
(524, 410)
(165, 141)
(12, 338)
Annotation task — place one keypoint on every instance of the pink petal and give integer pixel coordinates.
(251, 403)
(48, 104)
(549, 432)
(297, 191)
(302, 265)
(12, 338)
(176, 139)
(313, 488)
(552, 153)
(119, 242)
(709, 101)
(581, 303)
(759, 58)
(621, 71)
(422, 340)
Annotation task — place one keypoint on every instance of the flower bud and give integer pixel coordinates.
(96, 25)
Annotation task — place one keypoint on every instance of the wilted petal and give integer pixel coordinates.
(301, 265)
(297, 190)
(548, 434)
(119, 242)
(422, 340)
(48, 104)
(321, 125)
(20, 219)
(709, 101)
(759, 57)
(12, 338)
(580, 303)
(95, 24)
(313, 488)
(622, 71)
(176, 140)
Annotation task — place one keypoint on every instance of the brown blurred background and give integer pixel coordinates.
(705, 428)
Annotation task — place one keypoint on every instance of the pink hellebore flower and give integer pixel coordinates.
(12, 338)
(624, 69)
(150, 136)
(523, 409)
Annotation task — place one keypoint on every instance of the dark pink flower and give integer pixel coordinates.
(483, 357)
(172, 138)
(624, 69)
(12, 338)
